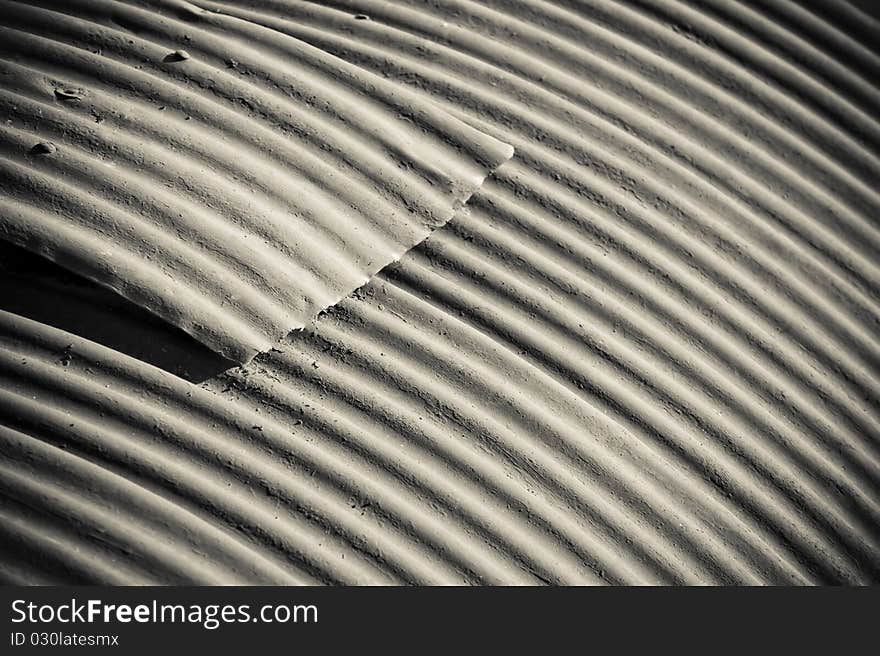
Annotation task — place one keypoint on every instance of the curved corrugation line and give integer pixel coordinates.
(229, 178)
(646, 352)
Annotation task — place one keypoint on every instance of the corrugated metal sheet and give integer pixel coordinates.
(646, 353)
(232, 180)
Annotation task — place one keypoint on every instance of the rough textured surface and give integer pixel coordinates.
(648, 352)
(235, 188)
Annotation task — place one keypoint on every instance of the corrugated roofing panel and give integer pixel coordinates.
(231, 179)
(646, 352)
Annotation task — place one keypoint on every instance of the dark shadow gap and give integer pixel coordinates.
(32, 286)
